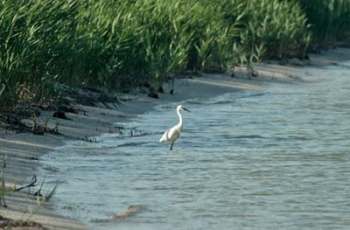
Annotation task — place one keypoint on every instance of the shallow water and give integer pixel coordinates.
(278, 158)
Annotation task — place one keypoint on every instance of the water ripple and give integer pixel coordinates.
(248, 160)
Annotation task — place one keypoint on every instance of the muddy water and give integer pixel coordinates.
(278, 158)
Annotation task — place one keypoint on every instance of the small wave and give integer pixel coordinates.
(249, 137)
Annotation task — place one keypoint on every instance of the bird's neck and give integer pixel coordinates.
(180, 119)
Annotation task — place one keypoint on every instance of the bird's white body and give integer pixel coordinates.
(173, 134)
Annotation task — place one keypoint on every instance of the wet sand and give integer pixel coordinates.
(23, 150)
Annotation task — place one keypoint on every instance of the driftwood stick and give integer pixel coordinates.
(38, 193)
(32, 184)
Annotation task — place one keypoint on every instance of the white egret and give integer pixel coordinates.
(172, 134)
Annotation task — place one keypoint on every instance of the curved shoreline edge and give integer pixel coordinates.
(23, 150)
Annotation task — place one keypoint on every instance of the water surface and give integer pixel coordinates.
(278, 158)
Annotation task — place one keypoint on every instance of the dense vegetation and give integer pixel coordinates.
(120, 44)
(329, 20)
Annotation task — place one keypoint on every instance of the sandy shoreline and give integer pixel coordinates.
(24, 150)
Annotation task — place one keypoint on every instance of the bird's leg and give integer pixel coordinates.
(171, 146)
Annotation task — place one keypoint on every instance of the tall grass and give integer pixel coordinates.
(120, 44)
(35, 49)
(275, 28)
(329, 19)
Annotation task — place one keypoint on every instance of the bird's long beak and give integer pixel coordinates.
(186, 109)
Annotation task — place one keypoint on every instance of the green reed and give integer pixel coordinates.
(330, 20)
(120, 45)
